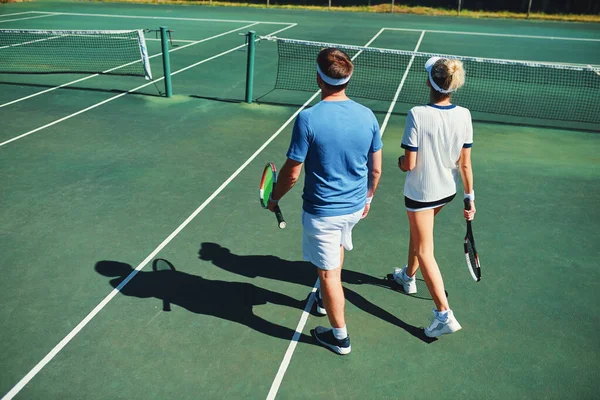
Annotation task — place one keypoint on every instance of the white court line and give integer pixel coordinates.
(496, 34)
(287, 358)
(31, 41)
(21, 19)
(180, 40)
(166, 18)
(410, 63)
(39, 366)
(121, 66)
(11, 14)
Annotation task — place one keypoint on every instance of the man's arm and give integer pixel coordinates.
(374, 165)
(374, 172)
(286, 179)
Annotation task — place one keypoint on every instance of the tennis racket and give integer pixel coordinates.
(267, 183)
(470, 250)
(162, 265)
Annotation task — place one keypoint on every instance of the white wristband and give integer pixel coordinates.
(272, 200)
(470, 196)
(369, 200)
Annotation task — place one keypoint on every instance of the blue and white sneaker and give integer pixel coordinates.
(442, 325)
(409, 285)
(319, 302)
(324, 336)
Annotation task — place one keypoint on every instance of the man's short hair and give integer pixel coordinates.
(335, 64)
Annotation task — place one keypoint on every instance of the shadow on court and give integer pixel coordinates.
(303, 273)
(232, 301)
(158, 92)
(293, 104)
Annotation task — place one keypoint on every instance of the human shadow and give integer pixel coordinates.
(232, 301)
(304, 273)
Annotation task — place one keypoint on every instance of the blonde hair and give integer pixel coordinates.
(448, 74)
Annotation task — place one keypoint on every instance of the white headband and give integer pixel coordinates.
(332, 81)
(429, 66)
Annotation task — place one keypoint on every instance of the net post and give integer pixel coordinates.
(459, 6)
(392, 6)
(529, 9)
(250, 38)
(166, 61)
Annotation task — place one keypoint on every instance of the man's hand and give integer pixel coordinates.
(271, 205)
(366, 210)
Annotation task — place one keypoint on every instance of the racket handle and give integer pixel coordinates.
(467, 204)
(280, 221)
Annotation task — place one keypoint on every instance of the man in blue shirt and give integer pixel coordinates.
(339, 142)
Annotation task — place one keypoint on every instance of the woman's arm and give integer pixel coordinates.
(466, 174)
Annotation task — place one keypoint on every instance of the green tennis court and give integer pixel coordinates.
(103, 175)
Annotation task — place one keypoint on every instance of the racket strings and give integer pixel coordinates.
(472, 259)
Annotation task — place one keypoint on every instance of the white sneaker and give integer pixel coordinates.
(409, 285)
(439, 327)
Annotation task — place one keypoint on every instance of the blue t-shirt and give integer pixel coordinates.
(334, 139)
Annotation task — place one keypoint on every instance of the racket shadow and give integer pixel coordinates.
(232, 301)
(304, 273)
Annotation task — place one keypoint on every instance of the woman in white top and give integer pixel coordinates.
(437, 143)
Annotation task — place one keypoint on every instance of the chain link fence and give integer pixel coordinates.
(521, 6)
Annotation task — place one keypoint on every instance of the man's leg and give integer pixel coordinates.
(333, 293)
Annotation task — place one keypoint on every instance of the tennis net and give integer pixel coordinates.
(28, 51)
(515, 88)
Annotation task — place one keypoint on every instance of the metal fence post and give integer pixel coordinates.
(250, 38)
(164, 41)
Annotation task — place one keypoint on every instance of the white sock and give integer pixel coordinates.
(406, 277)
(340, 333)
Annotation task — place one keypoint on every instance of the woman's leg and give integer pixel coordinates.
(421, 233)
(413, 262)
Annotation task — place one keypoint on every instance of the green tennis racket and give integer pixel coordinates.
(267, 183)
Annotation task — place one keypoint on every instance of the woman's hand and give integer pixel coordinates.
(470, 214)
(400, 161)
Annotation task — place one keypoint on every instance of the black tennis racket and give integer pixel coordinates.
(267, 183)
(470, 250)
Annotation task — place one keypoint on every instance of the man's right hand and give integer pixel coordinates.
(271, 205)
(366, 210)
